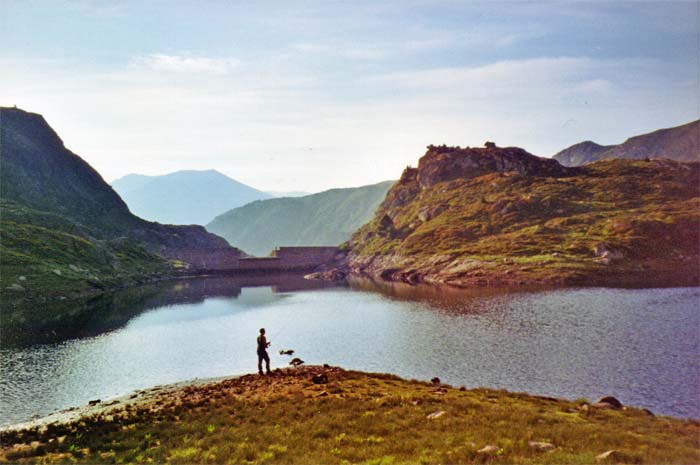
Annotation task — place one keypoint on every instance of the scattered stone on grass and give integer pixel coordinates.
(488, 450)
(436, 415)
(541, 446)
(611, 455)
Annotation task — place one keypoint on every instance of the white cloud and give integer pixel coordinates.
(161, 62)
(358, 52)
(250, 125)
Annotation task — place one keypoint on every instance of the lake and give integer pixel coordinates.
(640, 345)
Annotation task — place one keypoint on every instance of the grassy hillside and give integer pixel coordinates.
(184, 197)
(612, 221)
(681, 143)
(44, 257)
(353, 417)
(326, 218)
(64, 233)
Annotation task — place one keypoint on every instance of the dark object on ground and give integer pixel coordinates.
(435, 380)
(296, 362)
(286, 352)
(320, 379)
(609, 400)
(462, 388)
(325, 365)
(94, 402)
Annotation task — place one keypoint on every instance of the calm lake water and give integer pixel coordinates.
(640, 345)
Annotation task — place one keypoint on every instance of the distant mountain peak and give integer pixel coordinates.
(186, 196)
(680, 143)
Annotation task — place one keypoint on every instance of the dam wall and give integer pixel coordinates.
(289, 259)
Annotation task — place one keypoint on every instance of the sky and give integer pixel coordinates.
(314, 95)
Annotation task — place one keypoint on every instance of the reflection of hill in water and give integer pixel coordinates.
(91, 317)
(449, 299)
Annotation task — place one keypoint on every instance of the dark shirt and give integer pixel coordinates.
(262, 343)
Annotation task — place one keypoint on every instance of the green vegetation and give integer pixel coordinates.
(47, 258)
(326, 218)
(64, 233)
(353, 418)
(619, 218)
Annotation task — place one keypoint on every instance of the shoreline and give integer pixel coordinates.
(148, 394)
(324, 414)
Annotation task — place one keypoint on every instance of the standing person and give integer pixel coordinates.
(262, 352)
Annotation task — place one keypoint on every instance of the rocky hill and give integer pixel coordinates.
(184, 197)
(63, 229)
(326, 218)
(681, 143)
(501, 216)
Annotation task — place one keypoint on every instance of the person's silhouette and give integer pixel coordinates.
(262, 352)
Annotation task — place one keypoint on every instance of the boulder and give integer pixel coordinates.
(488, 450)
(436, 415)
(320, 378)
(608, 402)
(435, 380)
(541, 446)
(607, 254)
(610, 455)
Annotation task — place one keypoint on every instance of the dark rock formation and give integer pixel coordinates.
(609, 400)
(447, 163)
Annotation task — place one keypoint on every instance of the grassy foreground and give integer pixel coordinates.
(353, 417)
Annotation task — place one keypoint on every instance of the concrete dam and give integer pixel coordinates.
(300, 258)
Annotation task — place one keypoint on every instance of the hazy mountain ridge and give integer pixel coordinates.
(680, 143)
(503, 216)
(325, 218)
(184, 197)
(64, 229)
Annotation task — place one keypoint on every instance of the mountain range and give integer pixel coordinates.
(681, 143)
(325, 218)
(184, 197)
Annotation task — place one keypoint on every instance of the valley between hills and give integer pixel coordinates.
(465, 217)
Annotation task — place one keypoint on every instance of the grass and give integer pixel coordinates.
(46, 258)
(354, 418)
(649, 211)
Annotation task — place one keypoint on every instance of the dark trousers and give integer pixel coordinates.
(262, 355)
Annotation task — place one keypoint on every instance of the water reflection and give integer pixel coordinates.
(66, 320)
(640, 345)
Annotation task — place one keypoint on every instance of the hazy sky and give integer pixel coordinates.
(297, 95)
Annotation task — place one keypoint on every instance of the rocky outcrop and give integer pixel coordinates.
(443, 163)
(503, 217)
